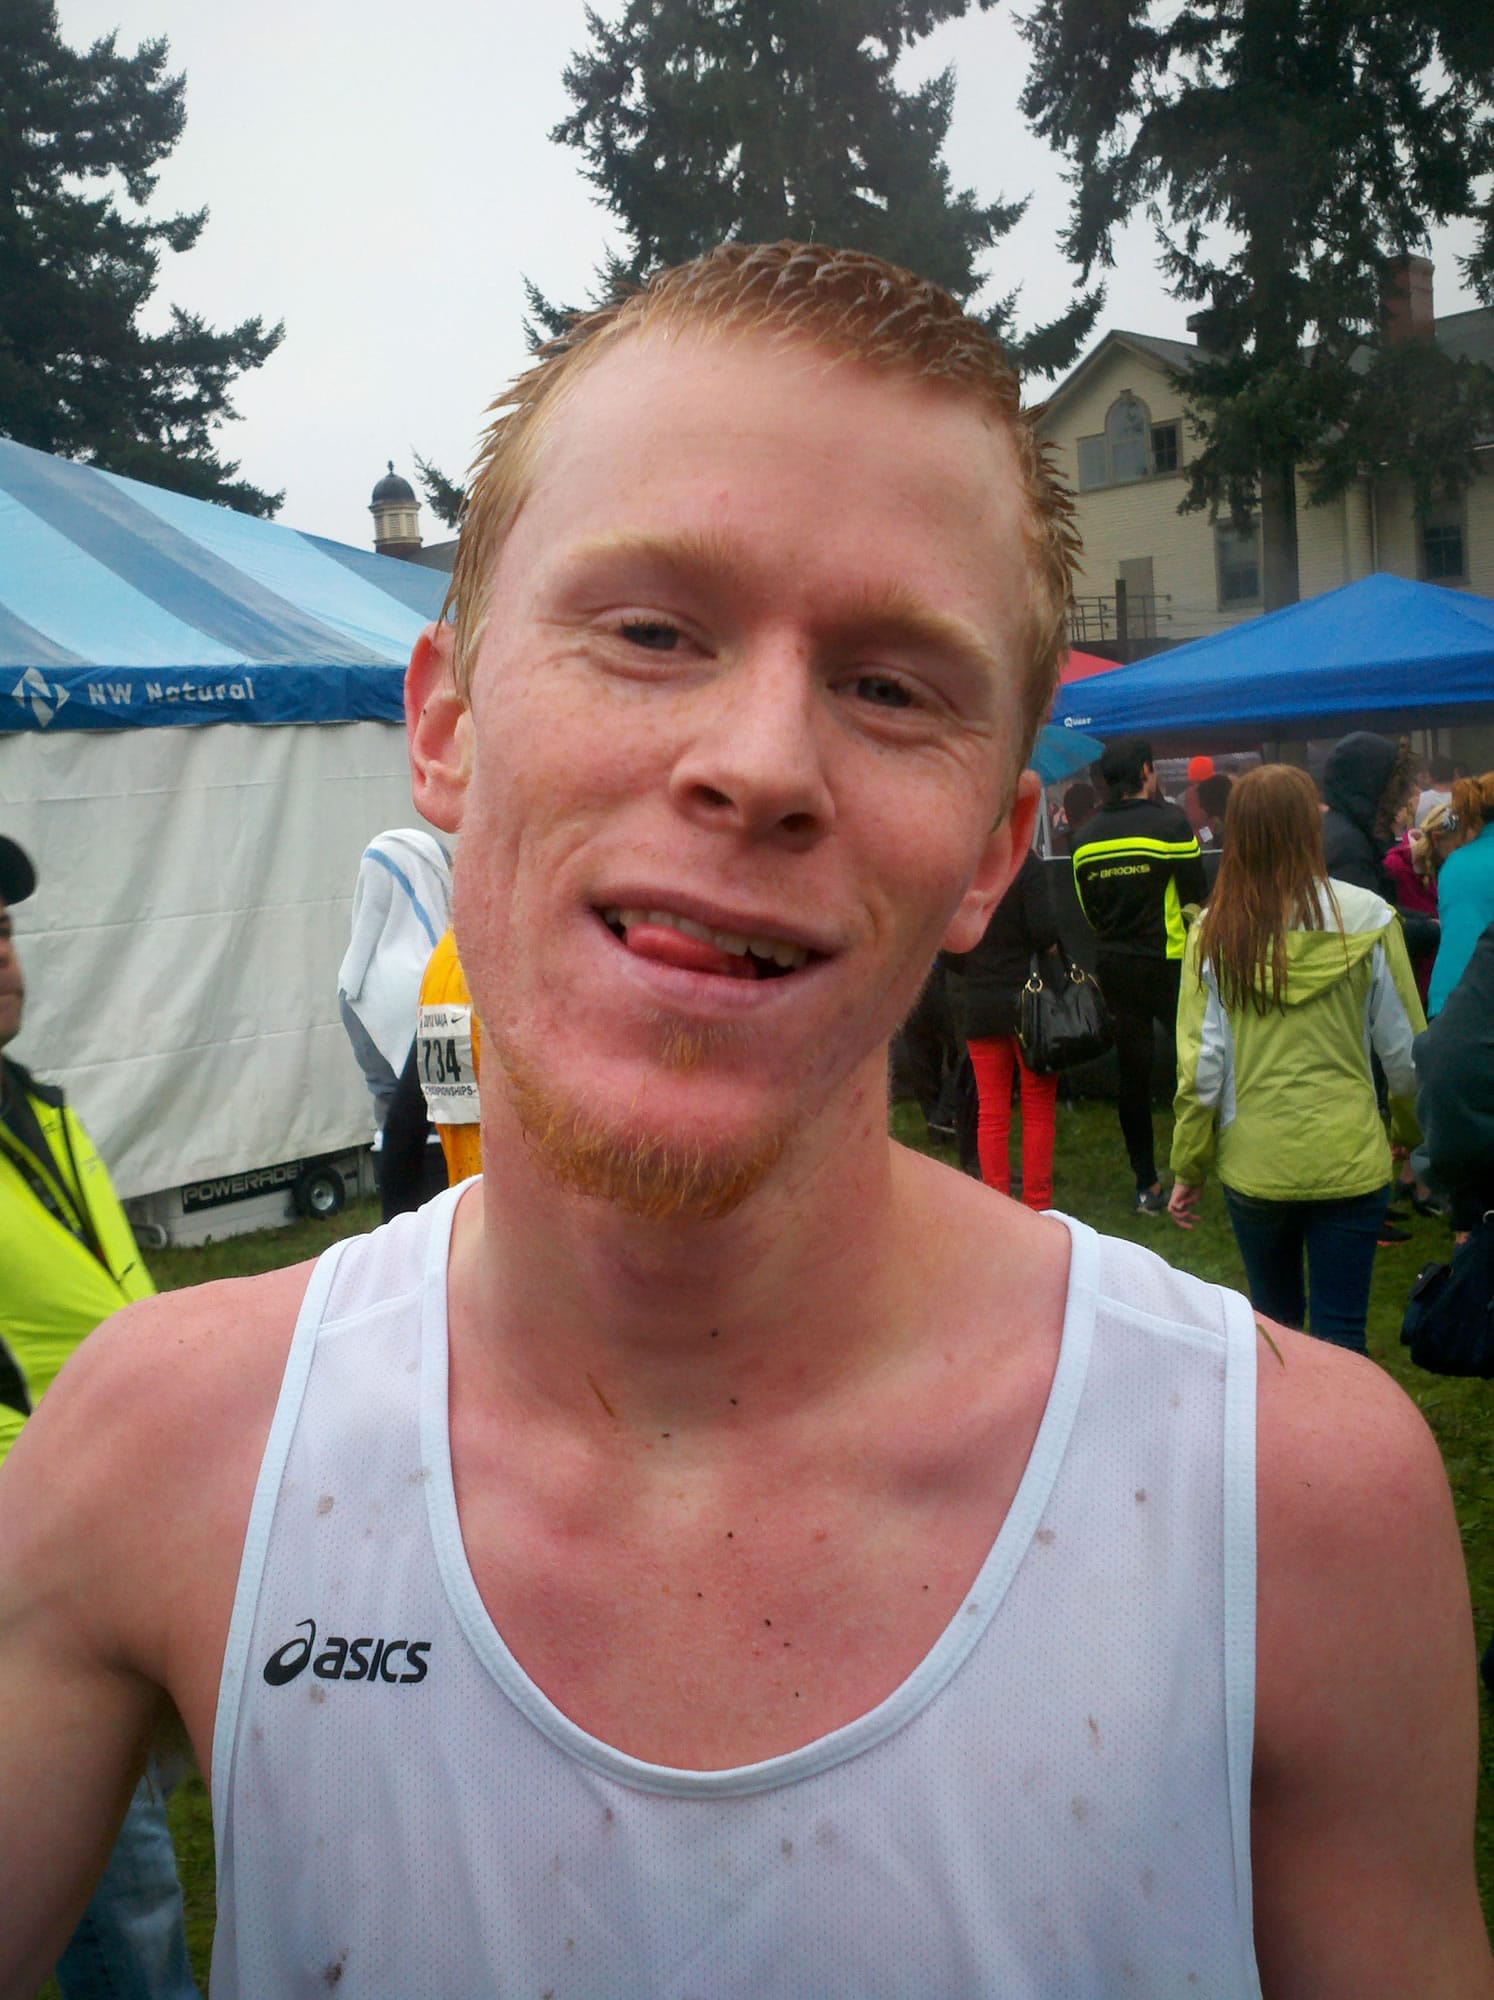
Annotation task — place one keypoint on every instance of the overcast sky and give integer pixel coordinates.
(381, 178)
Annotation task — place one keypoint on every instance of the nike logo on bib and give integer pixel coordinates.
(365, 1659)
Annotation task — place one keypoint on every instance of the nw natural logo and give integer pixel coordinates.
(43, 697)
(365, 1659)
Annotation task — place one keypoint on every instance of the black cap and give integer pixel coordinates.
(17, 876)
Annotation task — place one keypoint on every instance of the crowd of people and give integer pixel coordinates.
(717, 1550)
(1275, 952)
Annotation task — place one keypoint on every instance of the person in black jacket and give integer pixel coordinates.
(1136, 864)
(995, 971)
(1367, 782)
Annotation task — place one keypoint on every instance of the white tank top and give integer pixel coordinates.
(1055, 1802)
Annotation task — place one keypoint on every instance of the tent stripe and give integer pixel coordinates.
(169, 568)
(358, 604)
(80, 611)
(20, 641)
(413, 584)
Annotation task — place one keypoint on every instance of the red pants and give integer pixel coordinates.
(992, 1061)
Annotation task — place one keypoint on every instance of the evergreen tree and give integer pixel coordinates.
(78, 374)
(442, 495)
(708, 121)
(704, 121)
(1288, 152)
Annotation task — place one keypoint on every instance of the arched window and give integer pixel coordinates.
(1130, 447)
(1128, 427)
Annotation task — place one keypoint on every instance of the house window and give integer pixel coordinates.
(1237, 554)
(1130, 447)
(1127, 439)
(1165, 447)
(1093, 470)
(1443, 557)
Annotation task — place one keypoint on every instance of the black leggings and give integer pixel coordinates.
(1140, 991)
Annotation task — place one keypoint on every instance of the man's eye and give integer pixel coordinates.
(648, 632)
(883, 691)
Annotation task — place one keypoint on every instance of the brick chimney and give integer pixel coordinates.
(1406, 301)
(1207, 332)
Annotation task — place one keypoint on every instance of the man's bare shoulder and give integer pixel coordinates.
(1366, 1716)
(1352, 1498)
(1340, 1443)
(202, 1356)
(160, 1418)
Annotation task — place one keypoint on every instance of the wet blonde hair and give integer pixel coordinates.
(843, 301)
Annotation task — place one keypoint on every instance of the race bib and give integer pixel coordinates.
(448, 1075)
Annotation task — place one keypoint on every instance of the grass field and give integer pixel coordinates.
(1090, 1181)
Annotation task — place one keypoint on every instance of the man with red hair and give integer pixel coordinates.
(720, 1551)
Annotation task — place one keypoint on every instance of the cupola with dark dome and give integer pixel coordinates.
(396, 515)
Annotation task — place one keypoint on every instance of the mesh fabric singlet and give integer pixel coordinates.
(1055, 1802)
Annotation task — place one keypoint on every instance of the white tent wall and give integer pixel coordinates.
(181, 951)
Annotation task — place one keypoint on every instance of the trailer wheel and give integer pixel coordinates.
(319, 1193)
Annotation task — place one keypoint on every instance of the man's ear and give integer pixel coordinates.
(438, 724)
(1005, 851)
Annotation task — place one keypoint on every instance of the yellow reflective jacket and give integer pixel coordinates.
(63, 1272)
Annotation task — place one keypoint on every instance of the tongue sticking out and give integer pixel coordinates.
(671, 947)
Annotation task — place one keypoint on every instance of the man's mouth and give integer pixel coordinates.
(673, 940)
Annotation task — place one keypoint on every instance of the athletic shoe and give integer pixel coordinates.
(1150, 1201)
(1391, 1233)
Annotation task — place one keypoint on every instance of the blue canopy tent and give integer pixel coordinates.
(1383, 654)
(195, 874)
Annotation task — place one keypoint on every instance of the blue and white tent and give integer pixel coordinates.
(195, 873)
(123, 606)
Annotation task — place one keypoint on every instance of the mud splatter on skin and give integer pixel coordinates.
(591, 1383)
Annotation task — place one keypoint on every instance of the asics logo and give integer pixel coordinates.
(365, 1659)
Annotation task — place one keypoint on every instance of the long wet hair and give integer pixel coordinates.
(1272, 878)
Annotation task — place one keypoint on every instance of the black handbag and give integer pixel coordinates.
(1062, 1018)
(1449, 1320)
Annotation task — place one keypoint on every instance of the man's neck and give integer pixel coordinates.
(802, 1286)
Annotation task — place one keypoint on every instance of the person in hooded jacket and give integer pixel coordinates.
(1367, 782)
(1289, 979)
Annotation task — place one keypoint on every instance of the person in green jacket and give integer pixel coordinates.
(1289, 981)
(67, 1260)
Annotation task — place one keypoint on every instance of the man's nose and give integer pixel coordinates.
(754, 761)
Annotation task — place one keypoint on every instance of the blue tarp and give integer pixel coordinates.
(1379, 650)
(123, 606)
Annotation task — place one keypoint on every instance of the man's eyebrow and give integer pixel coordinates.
(874, 611)
(903, 615)
(696, 550)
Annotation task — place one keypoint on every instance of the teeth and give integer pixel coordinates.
(778, 950)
